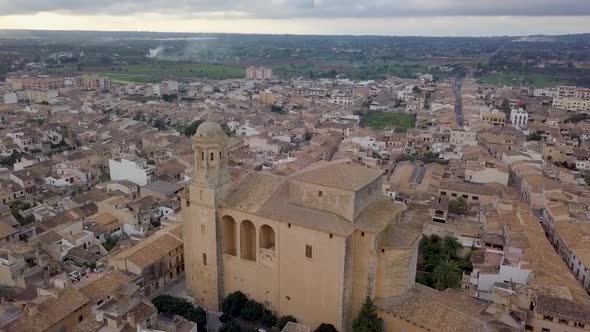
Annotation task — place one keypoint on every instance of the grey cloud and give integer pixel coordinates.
(306, 8)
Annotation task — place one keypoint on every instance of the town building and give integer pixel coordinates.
(519, 118)
(258, 73)
(133, 169)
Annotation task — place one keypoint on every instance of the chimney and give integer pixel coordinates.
(131, 319)
(31, 309)
(62, 282)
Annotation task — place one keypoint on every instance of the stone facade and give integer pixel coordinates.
(313, 245)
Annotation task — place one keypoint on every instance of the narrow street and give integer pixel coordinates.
(458, 102)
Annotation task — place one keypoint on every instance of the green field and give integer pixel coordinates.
(359, 70)
(156, 71)
(127, 78)
(515, 79)
(380, 120)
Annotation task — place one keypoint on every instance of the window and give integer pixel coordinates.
(171, 275)
(188, 203)
(331, 236)
(205, 259)
(212, 156)
(475, 198)
(289, 225)
(202, 155)
(80, 318)
(545, 330)
(465, 196)
(563, 321)
(549, 318)
(454, 195)
(320, 193)
(308, 251)
(580, 325)
(443, 193)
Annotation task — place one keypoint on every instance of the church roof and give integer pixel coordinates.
(267, 196)
(337, 175)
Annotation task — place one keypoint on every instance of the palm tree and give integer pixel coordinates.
(451, 246)
(447, 275)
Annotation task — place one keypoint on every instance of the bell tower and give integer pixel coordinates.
(202, 234)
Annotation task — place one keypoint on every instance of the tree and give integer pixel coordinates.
(447, 275)
(286, 319)
(268, 319)
(110, 242)
(325, 327)
(159, 124)
(192, 128)
(534, 137)
(277, 109)
(367, 319)
(416, 90)
(197, 315)
(178, 306)
(172, 305)
(451, 246)
(252, 311)
(459, 206)
(11, 160)
(139, 116)
(505, 106)
(16, 207)
(169, 98)
(234, 303)
(230, 327)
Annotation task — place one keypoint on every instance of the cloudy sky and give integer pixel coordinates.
(383, 17)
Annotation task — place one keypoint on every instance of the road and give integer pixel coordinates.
(458, 102)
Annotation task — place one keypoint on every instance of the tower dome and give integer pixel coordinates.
(210, 131)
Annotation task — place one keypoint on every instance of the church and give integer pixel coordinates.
(312, 245)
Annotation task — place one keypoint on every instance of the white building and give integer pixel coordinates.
(169, 87)
(369, 142)
(41, 96)
(545, 93)
(258, 73)
(10, 98)
(133, 169)
(157, 90)
(519, 118)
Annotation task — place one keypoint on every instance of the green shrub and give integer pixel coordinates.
(230, 327)
(367, 319)
(234, 303)
(325, 327)
(252, 311)
(268, 319)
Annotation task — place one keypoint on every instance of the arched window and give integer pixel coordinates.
(228, 235)
(267, 237)
(247, 240)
